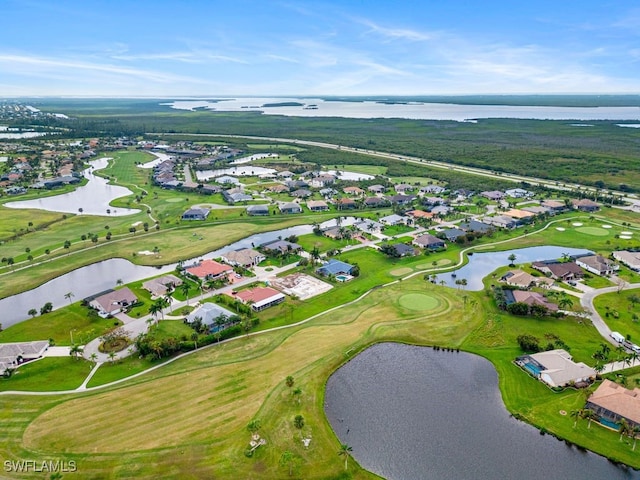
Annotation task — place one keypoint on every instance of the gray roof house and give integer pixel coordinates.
(113, 302)
(429, 241)
(290, 207)
(335, 267)
(258, 210)
(196, 214)
(208, 313)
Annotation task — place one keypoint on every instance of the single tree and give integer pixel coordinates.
(112, 357)
(254, 426)
(184, 288)
(512, 259)
(94, 357)
(289, 381)
(297, 393)
(624, 427)
(298, 422)
(194, 337)
(33, 312)
(69, 296)
(287, 459)
(565, 302)
(345, 451)
(75, 351)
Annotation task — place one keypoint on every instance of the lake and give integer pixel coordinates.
(408, 110)
(482, 264)
(415, 413)
(94, 197)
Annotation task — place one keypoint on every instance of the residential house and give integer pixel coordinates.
(256, 210)
(404, 188)
(613, 402)
(401, 199)
(345, 204)
(375, 202)
(285, 174)
(328, 192)
(317, 205)
(244, 257)
(440, 210)
(377, 189)
(335, 267)
(556, 368)
(519, 214)
(369, 226)
(420, 214)
(493, 195)
(452, 234)
(322, 181)
(501, 221)
(301, 193)
(518, 193)
(555, 206)
(227, 180)
(476, 227)
(403, 250)
(12, 355)
(159, 287)
(630, 259)
(209, 270)
(522, 279)
(597, 264)
(562, 271)
(260, 297)
(208, 313)
(393, 220)
(428, 241)
(433, 201)
(235, 197)
(196, 214)
(355, 191)
(432, 189)
(113, 302)
(279, 188)
(280, 247)
(530, 298)
(538, 210)
(289, 208)
(585, 205)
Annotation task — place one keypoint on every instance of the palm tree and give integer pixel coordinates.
(635, 430)
(575, 414)
(75, 351)
(624, 427)
(94, 357)
(588, 414)
(169, 302)
(154, 309)
(194, 337)
(512, 258)
(184, 288)
(565, 302)
(69, 296)
(112, 356)
(119, 282)
(345, 451)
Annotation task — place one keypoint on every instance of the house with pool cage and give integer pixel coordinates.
(612, 403)
(556, 368)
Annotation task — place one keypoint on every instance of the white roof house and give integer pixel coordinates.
(630, 259)
(557, 369)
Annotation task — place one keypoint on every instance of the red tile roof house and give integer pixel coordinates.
(260, 297)
(112, 303)
(209, 270)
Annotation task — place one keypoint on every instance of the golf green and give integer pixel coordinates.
(595, 231)
(440, 263)
(418, 301)
(398, 272)
(174, 200)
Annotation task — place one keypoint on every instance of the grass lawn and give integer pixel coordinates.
(60, 325)
(110, 372)
(366, 169)
(394, 230)
(47, 374)
(619, 313)
(308, 242)
(596, 281)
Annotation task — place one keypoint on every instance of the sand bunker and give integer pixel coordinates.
(146, 252)
(625, 237)
(576, 224)
(606, 226)
(626, 233)
(560, 229)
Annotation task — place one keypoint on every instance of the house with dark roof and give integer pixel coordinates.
(375, 202)
(494, 195)
(280, 246)
(377, 188)
(452, 234)
(563, 271)
(403, 250)
(195, 214)
(401, 199)
(335, 267)
(255, 210)
(476, 227)
(428, 241)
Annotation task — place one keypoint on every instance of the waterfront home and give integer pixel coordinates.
(244, 257)
(195, 214)
(209, 270)
(597, 264)
(369, 226)
(159, 287)
(612, 403)
(556, 368)
(563, 271)
(235, 196)
(12, 355)
(529, 298)
(501, 221)
(208, 313)
(630, 259)
(260, 297)
(335, 267)
(113, 302)
(289, 208)
(227, 180)
(301, 193)
(280, 247)
(522, 279)
(428, 241)
(255, 210)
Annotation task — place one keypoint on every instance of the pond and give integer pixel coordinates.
(93, 198)
(482, 264)
(414, 413)
(101, 276)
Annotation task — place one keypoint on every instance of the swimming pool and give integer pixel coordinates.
(534, 369)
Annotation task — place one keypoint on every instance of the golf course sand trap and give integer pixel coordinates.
(146, 252)
(418, 301)
(625, 237)
(626, 233)
(560, 229)
(576, 224)
(606, 226)
(174, 200)
(595, 231)
(401, 271)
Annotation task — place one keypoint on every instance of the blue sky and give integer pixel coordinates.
(291, 47)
